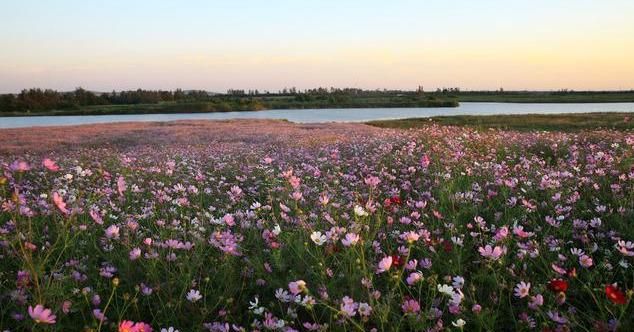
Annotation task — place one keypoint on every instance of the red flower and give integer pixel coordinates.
(558, 285)
(615, 295)
(447, 246)
(397, 260)
(395, 200)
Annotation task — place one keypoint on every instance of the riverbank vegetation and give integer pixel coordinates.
(559, 96)
(523, 122)
(83, 102)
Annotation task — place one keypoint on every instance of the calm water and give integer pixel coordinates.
(326, 115)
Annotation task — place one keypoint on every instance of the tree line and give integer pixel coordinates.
(34, 100)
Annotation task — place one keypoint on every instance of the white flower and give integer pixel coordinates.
(193, 295)
(459, 323)
(277, 229)
(359, 211)
(446, 289)
(169, 329)
(318, 238)
(458, 282)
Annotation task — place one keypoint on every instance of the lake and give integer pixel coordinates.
(325, 115)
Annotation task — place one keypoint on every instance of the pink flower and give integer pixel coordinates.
(585, 261)
(20, 166)
(126, 326)
(129, 326)
(59, 202)
(522, 289)
(41, 315)
(372, 181)
(297, 287)
(142, 327)
(50, 165)
(414, 277)
(96, 217)
(121, 185)
(294, 182)
(385, 264)
(425, 161)
(135, 254)
(536, 301)
(502, 233)
(492, 253)
(66, 306)
(349, 307)
(411, 306)
(112, 232)
(410, 236)
(350, 239)
(229, 220)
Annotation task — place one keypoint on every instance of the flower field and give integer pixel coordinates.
(280, 227)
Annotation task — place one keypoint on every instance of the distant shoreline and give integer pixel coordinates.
(37, 102)
(200, 108)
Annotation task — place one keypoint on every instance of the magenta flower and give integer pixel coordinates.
(41, 315)
(50, 165)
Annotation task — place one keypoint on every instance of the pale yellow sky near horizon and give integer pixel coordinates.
(548, 48)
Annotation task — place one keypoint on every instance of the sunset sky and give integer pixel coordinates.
(217, 45)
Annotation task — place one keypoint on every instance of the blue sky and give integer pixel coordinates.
(216, 45)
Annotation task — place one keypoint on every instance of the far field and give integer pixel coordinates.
(528, 122)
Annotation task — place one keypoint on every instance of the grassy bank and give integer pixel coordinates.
(546, 96)
(241, 104)
(548, 122)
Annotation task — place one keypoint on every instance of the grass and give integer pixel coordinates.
(527, 122)
(548, 97)
(241, 104)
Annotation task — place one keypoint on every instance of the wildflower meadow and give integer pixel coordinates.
(435, 229)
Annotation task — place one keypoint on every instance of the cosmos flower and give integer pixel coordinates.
(615, 295)
(318, 238)
(193, 295)
(558, 285)
(425, 161)
(59, 202)
(410, 306)
(297, 287)
(385, 264)
(493, 253)
(359, 211)
(50, 165)
(350, 239)
(112, 232)
(41, 315)
(522, 289)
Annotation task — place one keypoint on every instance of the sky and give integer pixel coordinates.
(269, 45)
